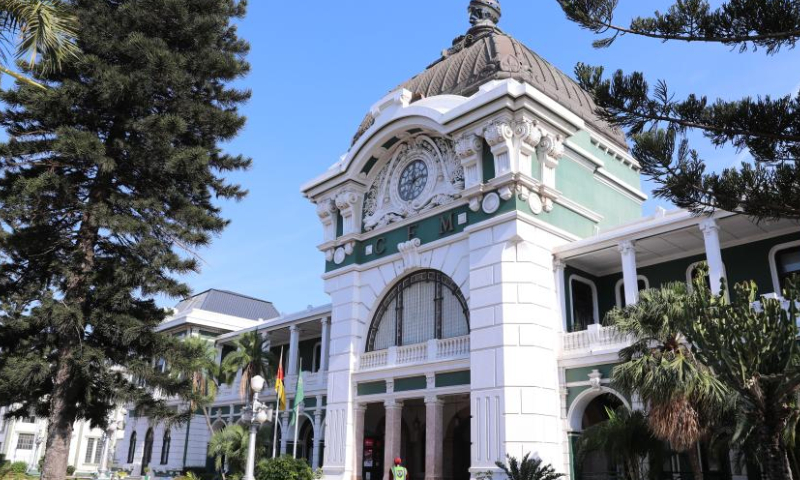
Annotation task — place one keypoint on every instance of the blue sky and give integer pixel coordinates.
(318, 66)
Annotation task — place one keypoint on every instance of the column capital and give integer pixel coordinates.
(433, 400)
(360, 407)
(392, 404)
(294, 328)
(559, 264)
(627, 247)
(325, 320)
(709, 226)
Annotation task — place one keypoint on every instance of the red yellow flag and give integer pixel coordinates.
(279, 388)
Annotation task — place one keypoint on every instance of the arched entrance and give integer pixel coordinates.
(595, 465)
(457, 443)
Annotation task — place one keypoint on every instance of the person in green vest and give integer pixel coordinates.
(399, 472)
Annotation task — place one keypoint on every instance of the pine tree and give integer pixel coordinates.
(108, 188)
(768, 128)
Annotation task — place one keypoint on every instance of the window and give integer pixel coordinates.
(132, 448)
(25, 441)
(28, 420)
(317, 359)
(788, 264)
(694, 270)
(644, 284)
(583, 298)
(94, 451)
(165, 447)
(423, 306)
(147, 455)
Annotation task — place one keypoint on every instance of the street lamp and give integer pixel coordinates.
(259, 414)
(115, 421)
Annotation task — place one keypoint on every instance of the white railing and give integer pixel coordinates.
(374, 359)
(594, 338)
(453, 347)
(412, 353)
(431, 351)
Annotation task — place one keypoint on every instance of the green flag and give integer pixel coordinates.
(298, 398)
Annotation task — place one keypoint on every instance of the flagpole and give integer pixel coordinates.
(277, 414)
(297, 409)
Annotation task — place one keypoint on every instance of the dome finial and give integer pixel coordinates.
(484, 13)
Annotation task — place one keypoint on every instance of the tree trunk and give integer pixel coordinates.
(61, 421)
(63, 401)
(776, 463)
(694, 460)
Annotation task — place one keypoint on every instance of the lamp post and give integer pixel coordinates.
(114, 424)
(259, 414)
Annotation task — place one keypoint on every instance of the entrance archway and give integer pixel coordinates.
(457, 444)
(596, 465)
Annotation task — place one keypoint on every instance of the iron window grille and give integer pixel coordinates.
(422, 306)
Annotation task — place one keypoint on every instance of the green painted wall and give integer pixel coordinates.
(576, 182)
(371, 388)
(742, 263)
(751, 262)
(452, 379)
(614, 166)
(573, 375)
(411, 383)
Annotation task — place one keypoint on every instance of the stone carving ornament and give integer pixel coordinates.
(418, 174)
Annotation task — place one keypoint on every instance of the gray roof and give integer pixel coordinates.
(486, 54)
(230, 303)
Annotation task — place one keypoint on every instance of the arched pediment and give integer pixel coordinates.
(417, 172)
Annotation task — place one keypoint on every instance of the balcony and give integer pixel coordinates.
(596, 339)
(429, 352)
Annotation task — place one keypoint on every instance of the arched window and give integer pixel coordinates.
(132, 448)
(147, 455)
(165, 447)
(422, 306)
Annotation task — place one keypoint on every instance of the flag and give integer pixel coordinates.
(279, 388)
(298, 398)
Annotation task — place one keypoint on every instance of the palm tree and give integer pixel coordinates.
(625, 439)
(200, 366)
(685, 399)
(528, 469)
(228, 447)
(42, 34)
(252, 357)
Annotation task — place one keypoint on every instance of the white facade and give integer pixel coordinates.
(23, 440)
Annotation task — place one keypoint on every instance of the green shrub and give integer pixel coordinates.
(284, 468)
(19, 467)
(70, 470)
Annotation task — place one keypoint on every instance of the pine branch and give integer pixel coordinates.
(772, 24)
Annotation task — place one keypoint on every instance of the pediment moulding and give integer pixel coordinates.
(450, 115)
(420, 171)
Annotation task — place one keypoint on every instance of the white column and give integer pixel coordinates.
(111, 432)
(359, 411)
(325, 345)
(392, 439)
(559, 266)
(434, 437)
(630, 278)
(716, 269)
(317, 434)
(514, 322)
(294, 349)
(346, 333)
